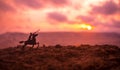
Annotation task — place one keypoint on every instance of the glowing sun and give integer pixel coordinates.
(84, 26)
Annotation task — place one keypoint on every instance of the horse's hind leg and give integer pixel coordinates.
(23, 46)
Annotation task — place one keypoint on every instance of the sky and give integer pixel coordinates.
(59, 15)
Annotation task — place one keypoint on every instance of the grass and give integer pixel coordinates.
(83, 57)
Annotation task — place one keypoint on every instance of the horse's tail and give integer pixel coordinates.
(21, 41)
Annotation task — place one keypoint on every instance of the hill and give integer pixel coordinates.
(84, 57)
(63, 38)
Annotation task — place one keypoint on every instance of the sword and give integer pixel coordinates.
(36, 31)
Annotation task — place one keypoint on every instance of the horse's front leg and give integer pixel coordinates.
(38, 44)
(32, 45)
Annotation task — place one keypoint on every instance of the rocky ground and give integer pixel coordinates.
(83, 57)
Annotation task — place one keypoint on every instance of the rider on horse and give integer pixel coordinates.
(31, 40)
(30, 36)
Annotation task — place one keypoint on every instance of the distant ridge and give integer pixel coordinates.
(65, 38)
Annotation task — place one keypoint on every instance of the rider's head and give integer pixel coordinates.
(30, 33)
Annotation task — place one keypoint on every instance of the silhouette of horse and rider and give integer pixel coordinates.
(31, 40)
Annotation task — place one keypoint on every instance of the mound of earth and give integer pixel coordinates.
(84, 57)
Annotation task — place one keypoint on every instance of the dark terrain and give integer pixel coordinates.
(83, 57)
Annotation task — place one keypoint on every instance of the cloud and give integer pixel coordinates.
(108, 8)
(58, 2)
(102, 15)
(116, 23)
(5, 7)
(57, 17)
(86, 18)
(35, 4)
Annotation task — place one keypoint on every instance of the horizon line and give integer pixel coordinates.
(61, 32)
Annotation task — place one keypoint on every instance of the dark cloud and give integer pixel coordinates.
(58, 2)
(35, 4)
(5, 7)
(86, 18)
(107, 8)
(89, 19)
(109, 24)
(57, 17)
(116, 23)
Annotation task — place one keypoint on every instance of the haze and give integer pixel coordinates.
(59, 15)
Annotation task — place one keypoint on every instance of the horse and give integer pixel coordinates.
(30, 41)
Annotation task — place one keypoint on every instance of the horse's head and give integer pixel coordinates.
(34, 35)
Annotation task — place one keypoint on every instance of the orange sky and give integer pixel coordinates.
(59, 15)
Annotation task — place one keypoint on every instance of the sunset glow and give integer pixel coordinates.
(81, 27)
(59, 15)
(85, 26)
